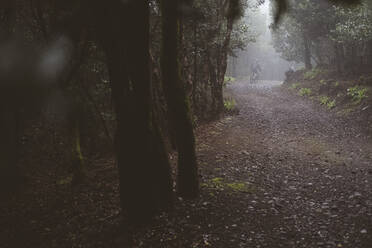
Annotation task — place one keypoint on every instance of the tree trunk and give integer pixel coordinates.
(9, 111)
(338, 58)
(9, 174)
(178, 104)
(144, 170)
(217, 86)
(307, 54)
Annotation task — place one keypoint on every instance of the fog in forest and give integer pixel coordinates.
(259, 48)
(185, 123)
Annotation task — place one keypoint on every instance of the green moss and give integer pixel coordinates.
(241, 187)
(217, 180)
(218, 183)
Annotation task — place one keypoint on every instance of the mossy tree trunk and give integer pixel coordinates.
(178, 104)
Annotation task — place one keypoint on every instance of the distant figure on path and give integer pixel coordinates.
(255, 71)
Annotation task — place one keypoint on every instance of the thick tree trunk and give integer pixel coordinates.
(9, 175)
(178, 104)
(144, 170)
(9, 110)
(156, 165)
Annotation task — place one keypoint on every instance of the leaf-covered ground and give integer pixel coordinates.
(283, 173)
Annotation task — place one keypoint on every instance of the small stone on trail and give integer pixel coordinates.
(245, 152)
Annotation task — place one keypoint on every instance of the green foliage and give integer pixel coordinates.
(357, 93)
(309, 75)
(322, 24)
(331, 104)
(305, 91)
(294, 86)
(228, 80)
(353, 25)
(229, 104)
(324, 100)
(323, 82)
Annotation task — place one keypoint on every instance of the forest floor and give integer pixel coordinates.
(285, 172)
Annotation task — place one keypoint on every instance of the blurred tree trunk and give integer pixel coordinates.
(9, 175)
(9, 110)
(144, 170)
(178, 104)
(338, 58)
(307, 54)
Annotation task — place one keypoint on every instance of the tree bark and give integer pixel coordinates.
(307, 54)
(9, 174)
(144, 170)
(178, 104)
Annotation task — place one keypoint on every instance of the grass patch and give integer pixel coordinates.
(323, 100)
(357, 93)
(331, 104)
(229, 104)
(239, 187)
(305, 91)
(219, 184)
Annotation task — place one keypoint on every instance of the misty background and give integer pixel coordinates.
(258, 48)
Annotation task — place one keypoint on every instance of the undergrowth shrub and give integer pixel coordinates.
(305, 91)
(357, 93)
(309, 75)
(294, 86)
(331, 104)
(229, 104)
(324, 100)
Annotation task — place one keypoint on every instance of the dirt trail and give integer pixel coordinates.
(308, 173)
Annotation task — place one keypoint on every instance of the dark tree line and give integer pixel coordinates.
(326, 34)
(119, 36)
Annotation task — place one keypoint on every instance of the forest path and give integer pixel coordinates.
(286, 173)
